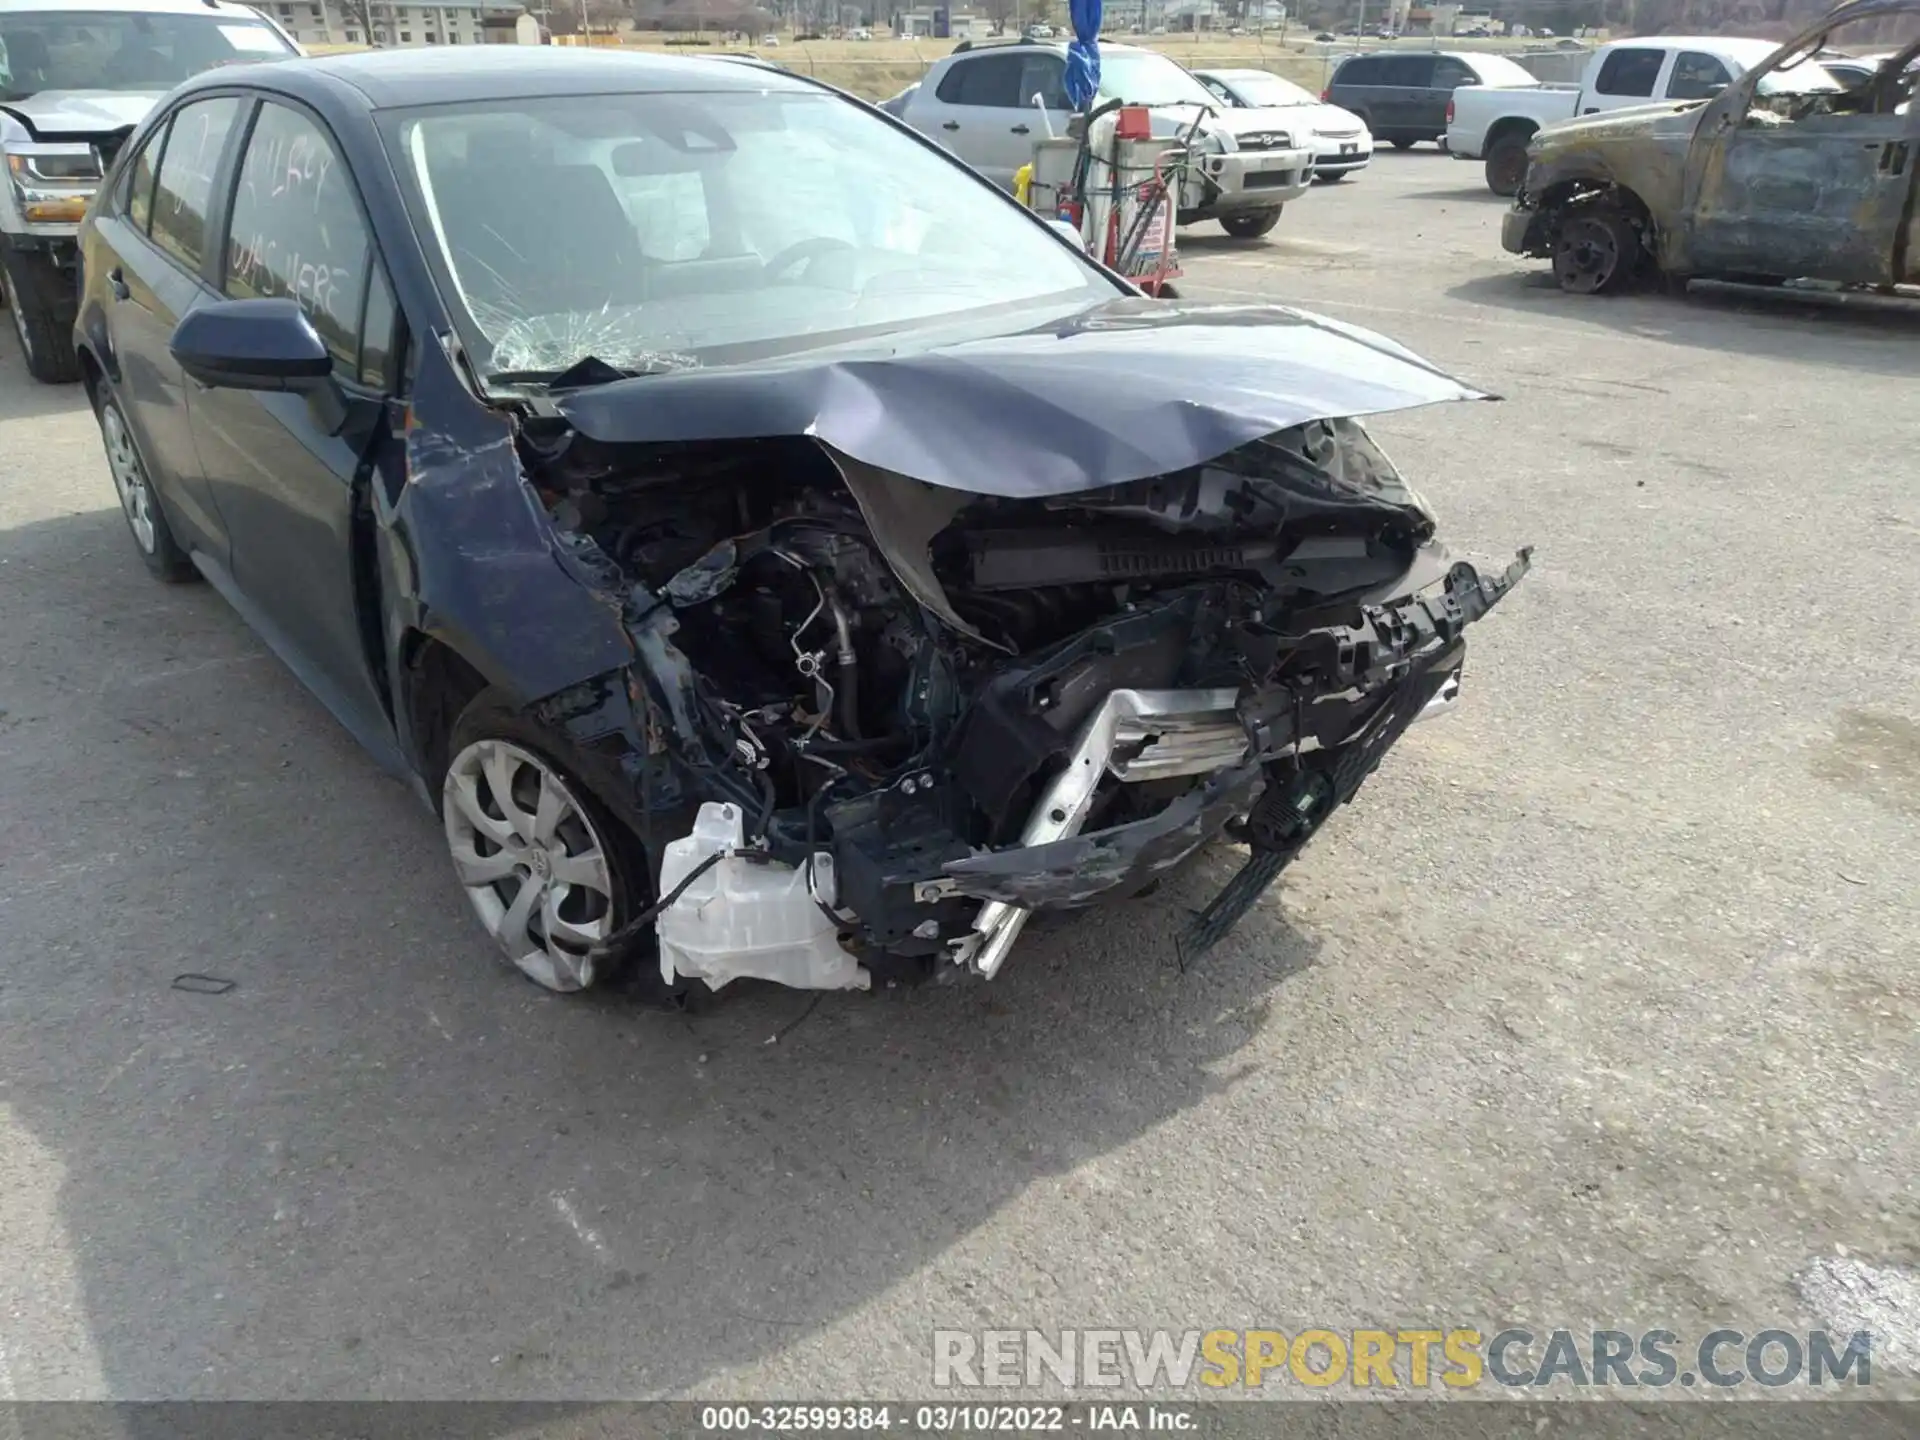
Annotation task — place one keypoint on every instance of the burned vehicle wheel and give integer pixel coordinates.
(548, 872)
(1596, 250)
(1250, 227)
(145, 519)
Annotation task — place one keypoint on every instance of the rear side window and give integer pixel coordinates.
(297, 232)
(991, 80)
(1629, 72)
(1365, 71)
(1415, 72)
(1449, 73)
(1045, 76)
(1697, 76)
(196, 141)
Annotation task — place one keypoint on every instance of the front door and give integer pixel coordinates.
(1823, 197)
(287, 475)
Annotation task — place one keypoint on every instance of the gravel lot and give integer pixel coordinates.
(1598, 1009)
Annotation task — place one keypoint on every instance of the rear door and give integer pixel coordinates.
(1628, 76)
(975, 108)
(290, 481)
(1411, 107)
(158, 245)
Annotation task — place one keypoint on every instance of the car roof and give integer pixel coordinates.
(392, 79)
(1240, 73)
(145, 7)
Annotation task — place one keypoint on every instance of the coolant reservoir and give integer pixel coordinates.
(749, 917)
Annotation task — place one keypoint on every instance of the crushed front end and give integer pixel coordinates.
(880, 721)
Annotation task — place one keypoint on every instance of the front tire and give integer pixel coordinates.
(1253, 226)
(1507, 166)
(39, 296)
(146, 521)
(1596, 250)
(1331, 178)
(549, 871)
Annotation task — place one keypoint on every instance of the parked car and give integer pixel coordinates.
(1782, 175)
(760, 576)
(1341, 144)
(74, 80)
(977, 103)
(1495, 124)
(1402, 96)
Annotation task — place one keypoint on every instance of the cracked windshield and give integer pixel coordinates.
(655, 233)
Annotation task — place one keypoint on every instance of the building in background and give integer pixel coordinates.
(418, 22)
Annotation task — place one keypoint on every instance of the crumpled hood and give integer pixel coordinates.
(83, 112)
(1128, 389)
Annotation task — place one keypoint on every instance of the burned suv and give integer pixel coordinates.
(800, 564)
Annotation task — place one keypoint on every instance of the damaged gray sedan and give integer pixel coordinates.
(773, 551)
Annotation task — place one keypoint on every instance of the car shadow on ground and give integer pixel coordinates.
(383, 1164)
(1860, 332)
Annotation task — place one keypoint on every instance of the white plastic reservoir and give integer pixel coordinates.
(749, 917)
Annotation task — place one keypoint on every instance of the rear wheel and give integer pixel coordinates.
(1251, 226)
(39, 297)
(548, 870)
(1597, 249)
(1507, 165)
(145, 519)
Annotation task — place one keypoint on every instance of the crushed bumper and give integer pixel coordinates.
(1246, 743)
(1520, 231)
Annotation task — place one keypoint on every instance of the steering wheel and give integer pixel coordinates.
(805, 252)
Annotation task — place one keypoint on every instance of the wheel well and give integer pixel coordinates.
(1512, 128)
(437, 685)
(1557, 198)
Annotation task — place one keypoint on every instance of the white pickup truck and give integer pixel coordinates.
(1494, 123)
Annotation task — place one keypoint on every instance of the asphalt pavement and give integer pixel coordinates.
(1597, 1009)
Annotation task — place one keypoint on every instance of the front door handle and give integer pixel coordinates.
(1591, 110)
(1020, 130)
(950, 125)
(117, 283)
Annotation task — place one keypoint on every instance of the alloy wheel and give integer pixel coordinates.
(129, 477)
(534, 866)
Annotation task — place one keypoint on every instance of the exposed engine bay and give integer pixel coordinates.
(887, 719)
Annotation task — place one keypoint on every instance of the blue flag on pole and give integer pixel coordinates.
(1083, 53)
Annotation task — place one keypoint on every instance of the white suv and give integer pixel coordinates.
(979, 103)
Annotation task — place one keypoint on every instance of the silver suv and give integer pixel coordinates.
(980, 104)
(76, 78)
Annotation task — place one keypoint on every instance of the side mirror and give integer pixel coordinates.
(252, 345)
